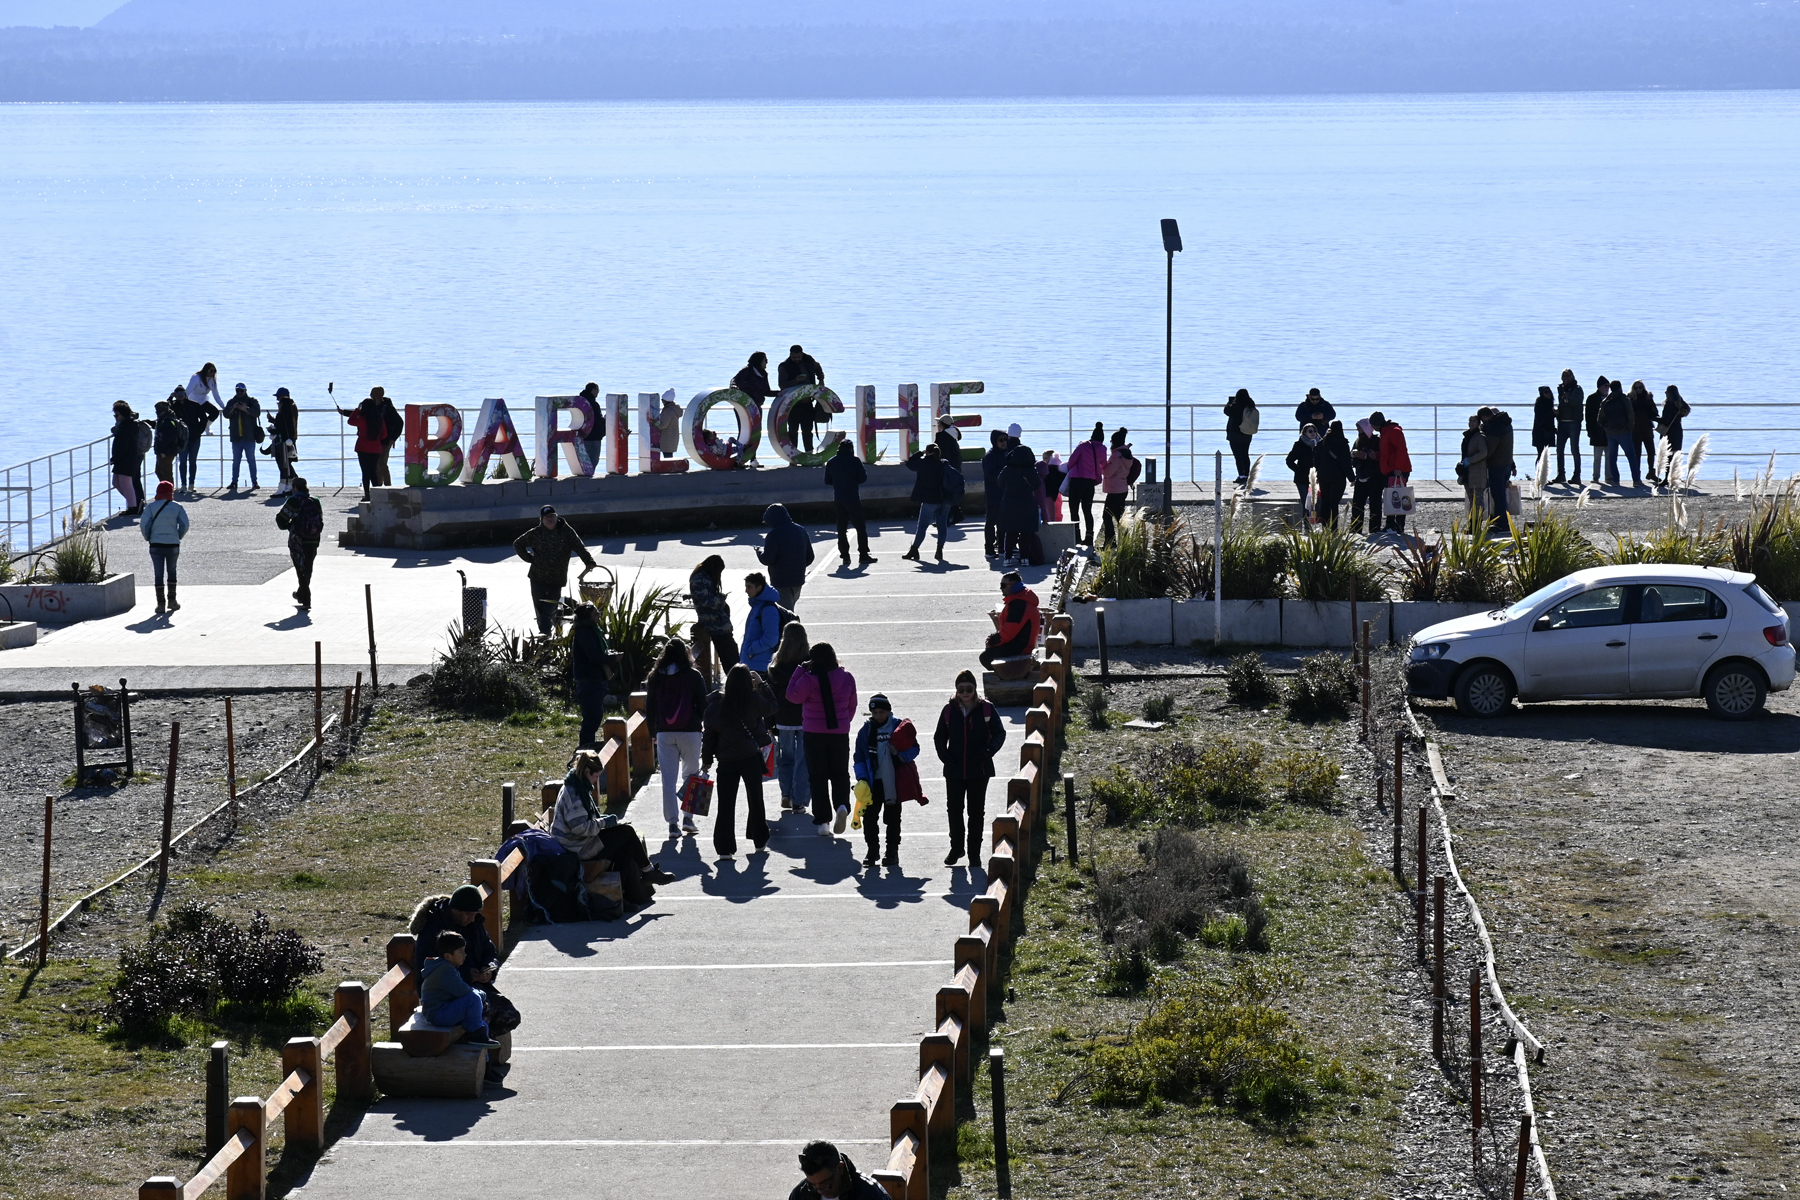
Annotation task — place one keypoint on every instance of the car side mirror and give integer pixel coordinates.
(1541, 625)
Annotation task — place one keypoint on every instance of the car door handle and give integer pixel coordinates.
(1615, 643)
(1709, 637)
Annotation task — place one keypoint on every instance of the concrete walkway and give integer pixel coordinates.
(762, 1000)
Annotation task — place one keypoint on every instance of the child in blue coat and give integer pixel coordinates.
(885, 749)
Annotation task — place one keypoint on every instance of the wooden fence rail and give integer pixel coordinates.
(962, 1004)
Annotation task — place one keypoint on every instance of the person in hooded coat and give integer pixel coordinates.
(845, 473)
(1543, 423)
(1235, 435)
(1498, 430)
(1019, 509)
(1474, 465)
(1333, 465)
(1365, 455)
(127, 460)
(1568, 426)
(787, 551)
(1300, 461)
(1643, 429)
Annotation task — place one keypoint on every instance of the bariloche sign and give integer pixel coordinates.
(566, 427)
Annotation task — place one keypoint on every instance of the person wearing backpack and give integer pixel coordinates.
(243, 417)
(762, 624)
(735, 735)
(1242, 420)
(1615, 421)
(1568, 425)
(129, 436)
(164, 524)
(930, 477)
(846, 474)
(969, 734)
(168, 440)
(1121, 472)
(304, 519)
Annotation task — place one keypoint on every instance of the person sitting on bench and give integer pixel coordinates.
(1017, 633)
(581, 826)
(460, 912)
(448, 1000)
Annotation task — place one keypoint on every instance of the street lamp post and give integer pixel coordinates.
(1171, 235)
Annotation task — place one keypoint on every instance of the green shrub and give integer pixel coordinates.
(8, 568)
(1149, 558)
(1331, 563)
(1308, 778)
(482, 673)
(1123, 797)
(1182, 886)
(1223, 1038)
(1474, 565)
(1249, 684)
(1323, 690)
(1672, 544)
(1224, 774)
(1550, 548)
(636, 629)
(1159, 708)
(198, 960)
(1093, 707)
(1254, 561)
(80, 557)
(1768, 546)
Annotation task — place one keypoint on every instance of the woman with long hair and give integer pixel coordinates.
(712, 611)
(790, 746)
(1087, 463)
(826, 694)
(735, 735)
(676, 703)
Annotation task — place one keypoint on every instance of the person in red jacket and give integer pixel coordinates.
(1018, 623)
(1394, 464)
(885, 749)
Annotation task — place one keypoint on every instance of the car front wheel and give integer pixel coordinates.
(1734, 691)
(1483, 691)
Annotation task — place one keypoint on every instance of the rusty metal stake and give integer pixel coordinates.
(1524, 1157)
(230, 762)
(1438, 996)
(1419, 891)
(44, 895)
(1475, 1057)
(168, 830)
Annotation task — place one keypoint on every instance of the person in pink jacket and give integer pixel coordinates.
(1087, 462)
(1121, 472)
(826, 694)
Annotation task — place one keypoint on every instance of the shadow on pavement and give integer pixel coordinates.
(435, 1120)
(300, 619)
(1667, 726)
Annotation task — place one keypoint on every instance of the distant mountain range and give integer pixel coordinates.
(570, 49)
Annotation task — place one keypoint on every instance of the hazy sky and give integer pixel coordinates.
(54, 12)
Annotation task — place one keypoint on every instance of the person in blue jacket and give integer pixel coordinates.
(846, 475)
(164, 524)
(787, 552)
(762, 624)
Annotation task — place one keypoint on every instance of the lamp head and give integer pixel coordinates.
(1171, 235)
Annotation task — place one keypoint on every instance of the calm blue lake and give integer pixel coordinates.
(1457, 250)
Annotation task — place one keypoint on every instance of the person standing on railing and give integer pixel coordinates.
(1365, 455)
(1121, 472)
(1674, 408)
(202, 407)
(164, 524)
(127, 457)
(830, 1175)
(243, 419)
(304, 519)
(167, 442)
(1568, 425)
(969, 734)
(1087, 463)
(548, 546)
(285, 432)
(1242, 420)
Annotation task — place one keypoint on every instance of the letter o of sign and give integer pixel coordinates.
(781, 436)
(706, 446)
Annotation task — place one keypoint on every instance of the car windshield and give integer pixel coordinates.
(1548, 591)
(1762, 598)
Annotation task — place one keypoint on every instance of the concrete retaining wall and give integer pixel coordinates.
(67, 603)
(1328, 623)
(1128, 623)
(1245, 622)
(15, 635)
(1410, 616)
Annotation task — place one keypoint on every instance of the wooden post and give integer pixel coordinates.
(305, 1115)
(245, 1179)
(485, 873)
(353, 1080)
(230, 762)
(1438, 996)
(160, 1187)
(1354, 626)
(168, 830)
(358, 702)
(972, 948)
(507, 793)
(374, 670)
(1100, 636)
(1069, 815)
(1524, 1157)
(935, 1050)
(44, 892)
(1419, 891)
(1475, 1057)
(908, 1116)
(405, 996)
(318, 704)
(1365, 678)
(1002, 1161)
(1399, 817)
(218, 1095)
(344, 725)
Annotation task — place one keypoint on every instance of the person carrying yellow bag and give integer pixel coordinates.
(886, 748)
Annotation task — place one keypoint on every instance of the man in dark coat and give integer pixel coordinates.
(931, 491)
(800, 369)
(304, 519)
(1643, 429)
(992, 463)
(846, 475)
(590, 666)
(1615, 422)
(1332, 462)
(787, 552)
(1018, 518)
(969, 734)
(1314, 411)
(548, 546)
(1543, 424)
(1568, 426)
(830, 1175)
(1498, 430)
(1365, 458)
(460, 913)
(1596, 433)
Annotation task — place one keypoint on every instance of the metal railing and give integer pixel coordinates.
(40, 495)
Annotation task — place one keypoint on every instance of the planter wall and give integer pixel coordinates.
(1327, 623)
(1055, 537)
(1128, 623)
(1245, 622)
(1410, 616)
(66, 603)
(16, 635)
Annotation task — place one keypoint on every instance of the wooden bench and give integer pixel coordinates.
(1002, 692)
(428, 1060)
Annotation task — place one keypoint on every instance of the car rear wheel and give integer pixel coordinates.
(1483, 691)
(1734, 691)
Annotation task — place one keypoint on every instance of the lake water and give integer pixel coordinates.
(1457, 250)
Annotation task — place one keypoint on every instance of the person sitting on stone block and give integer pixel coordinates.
(447, 999)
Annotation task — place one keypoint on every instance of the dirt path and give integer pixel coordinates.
(1635, 864)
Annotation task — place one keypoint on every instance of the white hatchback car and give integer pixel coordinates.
(1633, 632)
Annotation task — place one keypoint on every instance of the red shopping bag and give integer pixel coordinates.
(696, 795)
(769, 761)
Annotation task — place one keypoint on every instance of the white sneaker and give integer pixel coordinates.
(843, 816)
(824, 830)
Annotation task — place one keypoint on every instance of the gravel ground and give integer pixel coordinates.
(1632, 861)
(99, 831)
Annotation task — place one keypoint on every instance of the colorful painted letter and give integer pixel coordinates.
(495, 438)
(731, 453)
(551, 433)
(868, 424)
(653, 457)
(781, 432)
(421, 444)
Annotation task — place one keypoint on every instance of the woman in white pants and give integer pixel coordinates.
(675, 703)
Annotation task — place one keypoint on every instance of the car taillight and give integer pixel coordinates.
(1777, 635)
